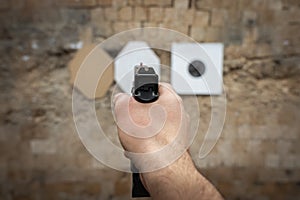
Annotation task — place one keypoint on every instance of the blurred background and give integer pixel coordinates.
(258, 154)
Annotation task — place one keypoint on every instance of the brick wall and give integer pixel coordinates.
(246, 23)
(42, 157)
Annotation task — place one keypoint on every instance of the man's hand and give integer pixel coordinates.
(145, 128)
(143, 131)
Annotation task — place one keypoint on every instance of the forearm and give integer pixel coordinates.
(181, 180)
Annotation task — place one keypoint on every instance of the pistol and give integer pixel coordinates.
(145, 85)
(144, 90)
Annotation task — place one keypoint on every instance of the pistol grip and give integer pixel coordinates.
(138, 189)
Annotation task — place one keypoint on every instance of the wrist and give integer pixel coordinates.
(176, 177)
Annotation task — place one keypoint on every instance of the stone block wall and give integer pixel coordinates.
(257, 156)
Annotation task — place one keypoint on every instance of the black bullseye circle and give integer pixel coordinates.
(196, 68)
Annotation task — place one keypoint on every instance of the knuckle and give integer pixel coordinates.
(120, 103)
